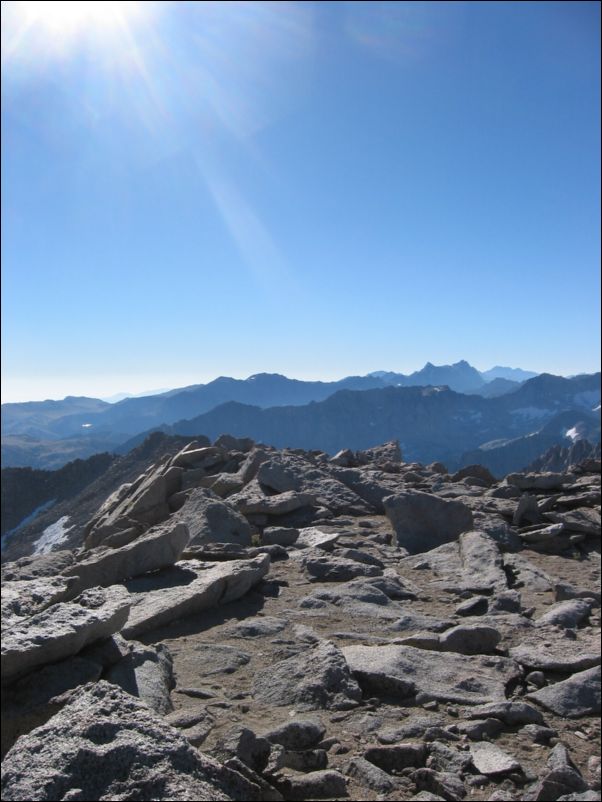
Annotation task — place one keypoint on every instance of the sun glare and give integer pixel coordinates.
(70, 17)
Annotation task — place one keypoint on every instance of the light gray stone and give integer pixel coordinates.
(544, 648)
(256, 627)
(311, 537)
(319, 677)
(442, 676)
(328, 784)
(207, 587)
(337, 569)
(211, 520)
(63, 630)
(482, 564)
(574, 697)
(470, 639)
(25, 597)
(490, 760)
(159, 547)
(511, 713)
(568, 613)
(539, 481)
(279, 535)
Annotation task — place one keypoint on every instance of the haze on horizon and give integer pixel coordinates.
(316, 189)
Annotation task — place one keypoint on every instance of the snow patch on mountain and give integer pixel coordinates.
(52, 536)
(27, 520)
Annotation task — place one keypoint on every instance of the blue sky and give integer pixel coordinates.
(201, 189)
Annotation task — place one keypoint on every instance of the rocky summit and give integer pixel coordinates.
(238, 622)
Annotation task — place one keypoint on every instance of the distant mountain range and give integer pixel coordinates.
(72, 417)
(446, 413)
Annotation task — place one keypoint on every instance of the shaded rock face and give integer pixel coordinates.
(422, 521)
(108, 745)
(447, 673)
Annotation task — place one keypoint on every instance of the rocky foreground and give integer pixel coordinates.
(241, 623)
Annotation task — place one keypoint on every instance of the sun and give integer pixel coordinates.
(68, 18)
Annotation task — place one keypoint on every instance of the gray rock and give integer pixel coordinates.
(443, 676)
(337, 569)
(586, 520)
(526, 510)
(319, 677)
(327, 784)
(158, 548)
(259, 790)
(256, 627)
(564, 591)
(288, 472)
(444, 784)
(527, 574)
(310, 537)
(478, 730)
(395, 758)
(539, 734)
(306, 760)
(229, 443)
(366, 485)
(63, 630)
(108, 745)
(25, 597)
(359, 556)
(179, 592)
(442, 758)
(211, 520)
(477, 605)
(511, 713)
(251, 500)
(37, 565)
(544, 648)
(394, 586)
(142, 502)
(212, 659)
(482, 564)
(146, 672)
(470, 639)
(242, 743)
(475, 471)
(416, 727)
(422, 521)
(539, 481)
(574, 697)
(297, 734)
(280, 535)
(489, 759)
(224, 484)
(194, 723)
(32, 700)
(506, 601)
(559, 778)
(370, 776)
(108, 651)
(195, 456)
(568, 613)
